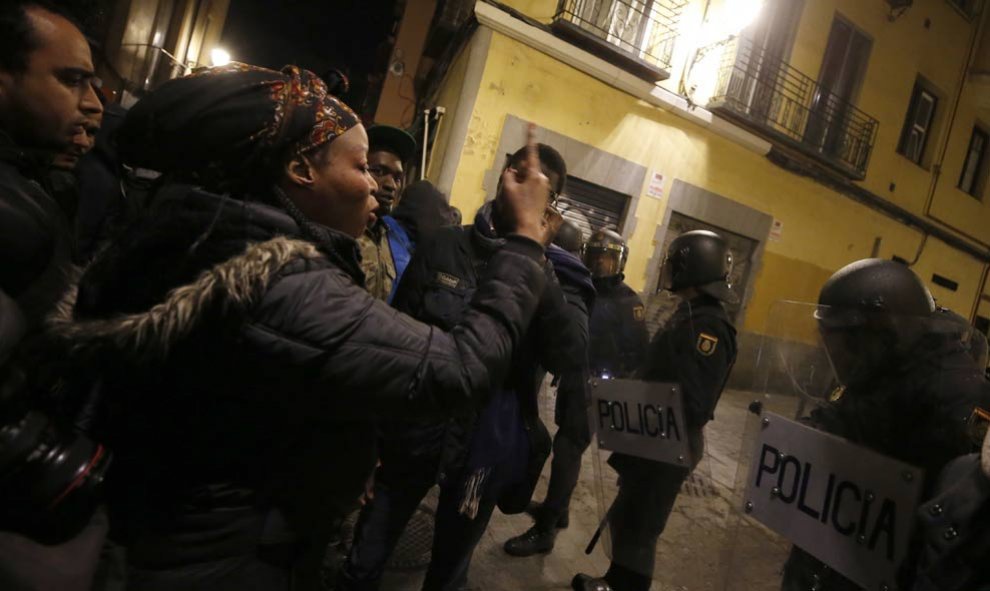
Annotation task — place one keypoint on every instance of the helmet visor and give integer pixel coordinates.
(604, 260)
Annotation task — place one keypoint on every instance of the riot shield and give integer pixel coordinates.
(852, 413)
(663, 502)
(645, 458)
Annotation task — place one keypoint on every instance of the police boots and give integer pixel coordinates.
(582, 582)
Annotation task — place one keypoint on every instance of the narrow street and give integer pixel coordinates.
(704, 540)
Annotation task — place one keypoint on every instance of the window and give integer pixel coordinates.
(636, 35)
(974, 171)
(918, 123)
(969, 8)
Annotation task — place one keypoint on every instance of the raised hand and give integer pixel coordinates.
(526, 194)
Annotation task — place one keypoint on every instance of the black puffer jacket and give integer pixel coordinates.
(241, 368)
(35, 235)
(440, 282)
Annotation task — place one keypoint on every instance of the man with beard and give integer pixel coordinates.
(47, 98)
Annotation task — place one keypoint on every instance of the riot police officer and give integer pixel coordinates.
(910, 383)
(696, 349)
(618, 328)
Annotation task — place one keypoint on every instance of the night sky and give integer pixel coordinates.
(316, 34)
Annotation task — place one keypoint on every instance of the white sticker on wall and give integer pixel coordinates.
(776, 231)
(655, 188)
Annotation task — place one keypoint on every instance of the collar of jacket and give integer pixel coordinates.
(378, 231)
(346, 253)
(483, 232)
(608, 283)
(698, 302)
(31, 163)
(570, 270)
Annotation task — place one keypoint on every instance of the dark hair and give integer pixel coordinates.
(550, 160)
(17, 35)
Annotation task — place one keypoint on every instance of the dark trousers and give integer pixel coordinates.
(455, 539)
(380, 526)
(565, 469)
(639, 513)
(572, 438)
(382, 521)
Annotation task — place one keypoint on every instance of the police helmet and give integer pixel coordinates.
(871, 314)
(605, 253)
(871, 286)
(569, 237)
(965, 334)
(699, 259)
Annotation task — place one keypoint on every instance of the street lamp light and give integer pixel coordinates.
(219, 57)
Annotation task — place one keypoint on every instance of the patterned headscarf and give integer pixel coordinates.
(226, 126)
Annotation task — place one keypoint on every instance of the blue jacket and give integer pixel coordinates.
(402, 247)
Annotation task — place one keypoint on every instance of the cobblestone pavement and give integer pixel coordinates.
(705, 539)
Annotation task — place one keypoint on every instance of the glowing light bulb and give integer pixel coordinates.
(219, 57)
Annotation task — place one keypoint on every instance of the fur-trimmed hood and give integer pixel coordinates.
(194, 257)
(229, 288)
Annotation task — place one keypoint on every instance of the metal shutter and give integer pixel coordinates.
(603, 207)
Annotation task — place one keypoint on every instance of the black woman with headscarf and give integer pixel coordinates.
(239, 362)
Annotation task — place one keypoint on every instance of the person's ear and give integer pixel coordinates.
(299, 171)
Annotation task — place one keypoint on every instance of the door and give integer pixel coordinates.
(764, 49)
(843, 68)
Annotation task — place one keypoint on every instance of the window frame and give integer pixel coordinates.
(970, 12)
(976, 188)
(910, 125)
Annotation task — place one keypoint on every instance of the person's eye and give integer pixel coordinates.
(72, 79)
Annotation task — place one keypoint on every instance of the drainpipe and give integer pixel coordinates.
(937, 166)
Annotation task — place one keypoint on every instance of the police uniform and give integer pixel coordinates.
(911, 384)
(914, 411)
(618, 329)
(955, 524)
(697, 349)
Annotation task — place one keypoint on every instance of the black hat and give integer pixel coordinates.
(700, 259)
(393, 139)
(569, 237)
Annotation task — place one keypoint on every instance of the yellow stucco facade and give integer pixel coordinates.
(822, 229)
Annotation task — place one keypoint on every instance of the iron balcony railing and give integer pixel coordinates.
(643, 29)
(772, 97)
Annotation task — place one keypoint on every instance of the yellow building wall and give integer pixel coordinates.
(901, 50)
(950, 204)
(931, 39)
(449, 98)
(822, 230)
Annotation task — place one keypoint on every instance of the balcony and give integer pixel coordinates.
(635, 35)
(768, 96)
